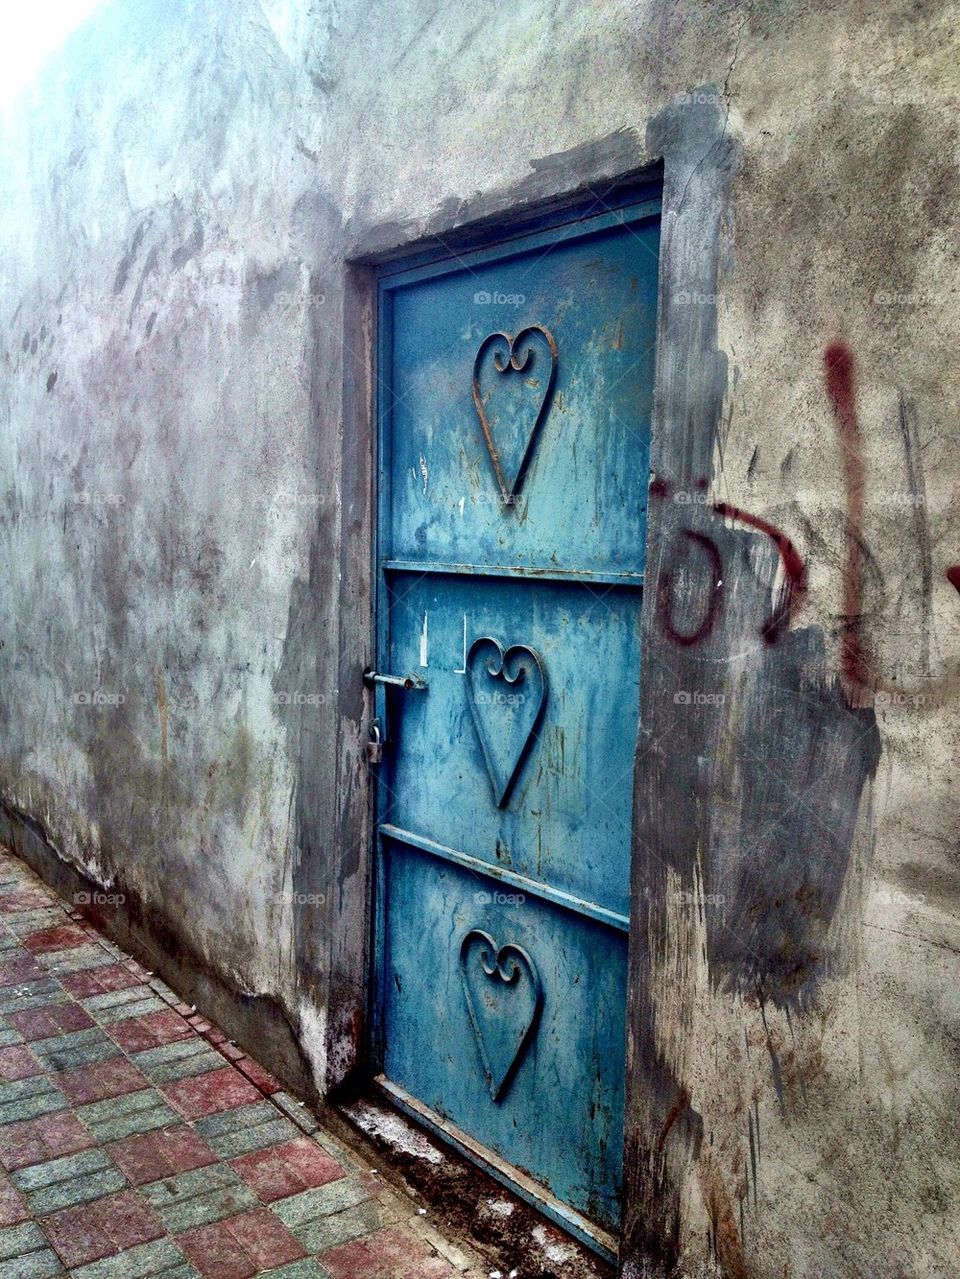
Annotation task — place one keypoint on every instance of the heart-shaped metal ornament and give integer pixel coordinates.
(504, 1000)
(522, 355)
(507, 692)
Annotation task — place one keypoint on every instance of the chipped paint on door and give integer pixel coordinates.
(519, 380)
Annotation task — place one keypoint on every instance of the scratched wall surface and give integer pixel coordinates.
(181, 191)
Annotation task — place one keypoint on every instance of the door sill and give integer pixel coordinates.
(598, 1240)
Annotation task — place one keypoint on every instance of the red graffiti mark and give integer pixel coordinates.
(858, 665)
(839, 366)
(793, 567)
(674, 1113)
(665, 595)
(840, 375)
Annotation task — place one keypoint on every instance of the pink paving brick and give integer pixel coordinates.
(12, 1208)
(97, 981)
(388, 1254)
(217, 1090)
(136, 1034)
(37, 1140)
(22, 968)
(61, 937)
(94, 1230)
(46, 1023)
(103, 1079)
(155, 1155)
(17, 1062)
(241, 1246)
(287, 1169)
(23, 899)
(258, 1076)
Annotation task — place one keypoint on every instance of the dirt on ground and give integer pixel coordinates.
(517, 1241)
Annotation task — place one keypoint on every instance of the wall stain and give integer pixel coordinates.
(189, 249)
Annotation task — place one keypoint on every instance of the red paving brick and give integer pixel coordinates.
(45, 1023)
(60, 937)
(136, 1034)
(22, 968)
(94, 1230)
(257, 1075)
(12, 1208)
(217, 1090)
(36, 1140)
(103, 1079)
(23, 900)
(155, 1155)
(241, 1246)
(287, 1169)
(388, 1254)
(17, 1062)
(98, 981)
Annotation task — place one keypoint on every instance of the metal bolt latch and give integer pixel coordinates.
(409, 682)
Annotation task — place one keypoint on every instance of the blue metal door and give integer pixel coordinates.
(516, 386)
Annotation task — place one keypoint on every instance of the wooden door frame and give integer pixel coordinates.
(688, 143)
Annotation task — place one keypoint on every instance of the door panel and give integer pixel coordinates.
(514, 445)
(572, 800)
(598, 298)
(562, 1115)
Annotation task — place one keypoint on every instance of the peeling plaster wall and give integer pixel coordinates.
(180, 193)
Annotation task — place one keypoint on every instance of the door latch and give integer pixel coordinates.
(380, 684)
(409, 682)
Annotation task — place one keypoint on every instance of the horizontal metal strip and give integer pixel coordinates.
(520, 1183)
(541, 574)
(534, 887)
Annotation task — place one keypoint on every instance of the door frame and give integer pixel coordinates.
(689, 149)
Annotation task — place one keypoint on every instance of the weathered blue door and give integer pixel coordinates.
(514, 436)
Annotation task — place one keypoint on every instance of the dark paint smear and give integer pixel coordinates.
(774, 1059)
(918, 515)
(783, 825)
(953, 576)
(793, 566)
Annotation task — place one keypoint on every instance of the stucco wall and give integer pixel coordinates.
(180, 194)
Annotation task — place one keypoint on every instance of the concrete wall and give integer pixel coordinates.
(184, 362)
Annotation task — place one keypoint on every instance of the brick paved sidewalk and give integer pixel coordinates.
(137, 1141)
